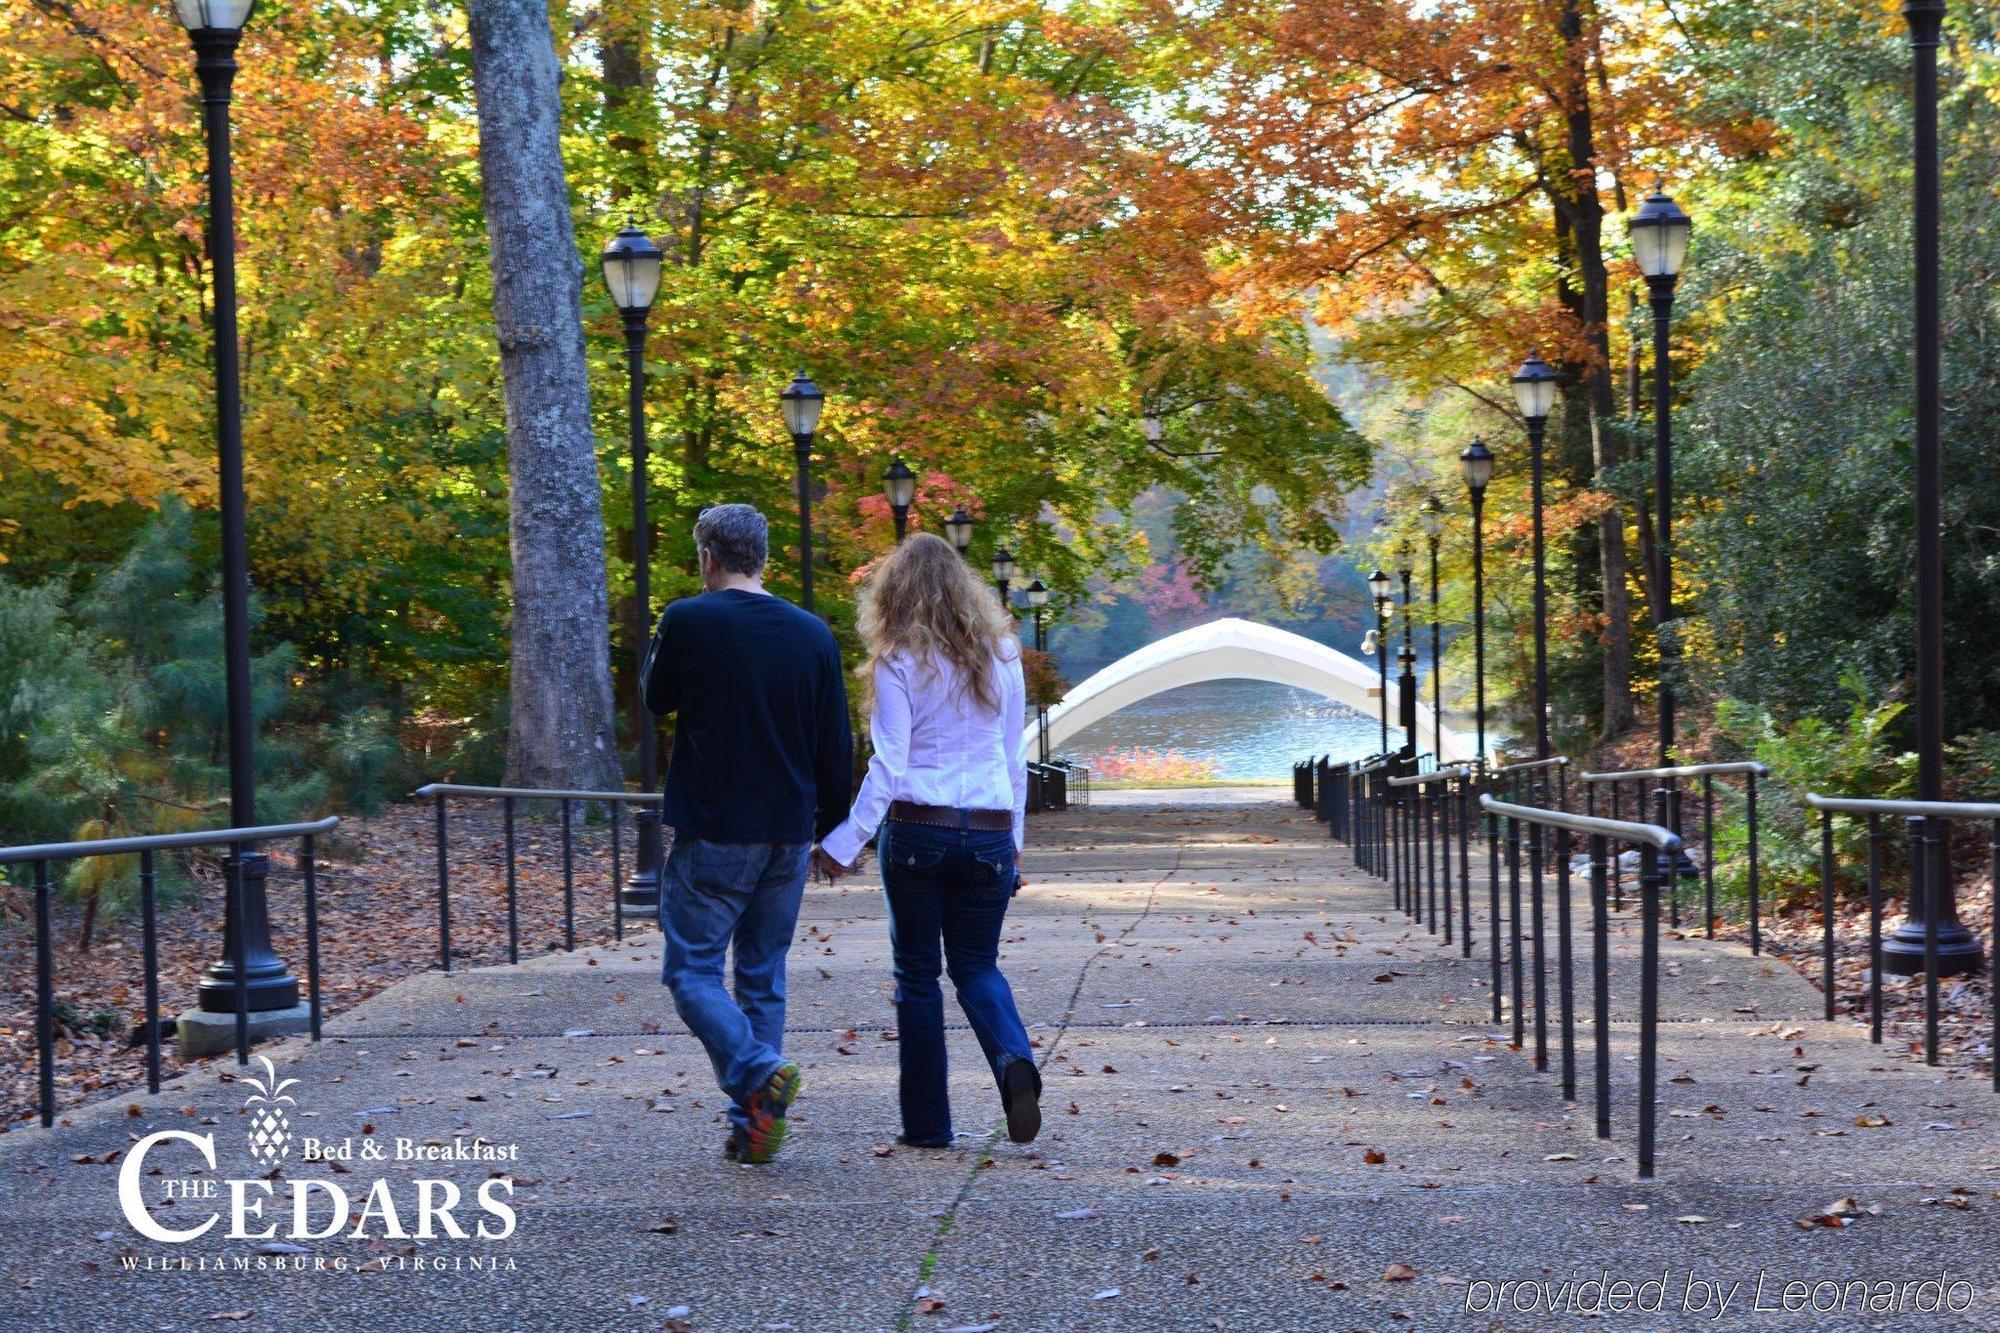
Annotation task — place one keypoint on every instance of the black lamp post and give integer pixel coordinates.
(1535, 395)
(1958, 948)
(215, 27)
(802, 402)
(1432, 518)
(1004, 572)
(959, 529)
(1659, 242)
(1378, 588)
(899, 487)
(1476, 465)
(631, 266)
(1406, 659)
(1038, 597)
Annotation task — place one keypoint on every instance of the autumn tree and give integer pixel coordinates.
(560, 731)
(1435, 175)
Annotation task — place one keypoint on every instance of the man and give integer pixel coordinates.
(762, 767)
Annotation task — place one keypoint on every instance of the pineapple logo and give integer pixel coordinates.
(270, 1132)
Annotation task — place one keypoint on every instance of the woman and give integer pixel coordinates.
(947, 787)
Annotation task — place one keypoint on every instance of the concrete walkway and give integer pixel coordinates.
(1271, 1105)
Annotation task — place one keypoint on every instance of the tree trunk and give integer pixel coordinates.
(1587, 233)
(560, 720)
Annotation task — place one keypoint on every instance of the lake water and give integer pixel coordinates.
(1247, 729)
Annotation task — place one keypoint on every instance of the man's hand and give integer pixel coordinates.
(825, 867)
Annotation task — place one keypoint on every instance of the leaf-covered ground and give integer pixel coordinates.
(378, 923)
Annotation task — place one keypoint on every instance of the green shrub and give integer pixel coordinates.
(1851, 757)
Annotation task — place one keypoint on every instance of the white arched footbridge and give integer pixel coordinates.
(1236, 650)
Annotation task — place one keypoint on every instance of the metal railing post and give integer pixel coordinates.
(1600, 982)
(1937, 867)
(1465, 786)
(309, 861)
(513, 906)
(1493, 922)
(444, 890)
(1656, 864)
(617, 876)
(1750, 817)
(1566, 988)
(232, 878)
(1876, 837)
(150, 943)
(1535, 848)
(569, 881)
(1514, 928)
(45, 996)
(1708, 854)
(1826, 903)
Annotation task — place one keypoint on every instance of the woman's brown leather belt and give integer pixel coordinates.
(945, 816)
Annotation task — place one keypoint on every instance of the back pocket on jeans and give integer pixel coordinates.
(902, 850)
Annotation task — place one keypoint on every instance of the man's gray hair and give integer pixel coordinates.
(736, 537)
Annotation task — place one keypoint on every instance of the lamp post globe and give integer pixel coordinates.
(631, 266)
(213, 15)
(1660, 232)
(801, 403)
(1535, 388)
(899, 488)
(1476, 466)
(1431, 518)
(959, 529)
(1004, 571)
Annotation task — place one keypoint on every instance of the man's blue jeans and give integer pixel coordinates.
(713, 895)
(950, 887)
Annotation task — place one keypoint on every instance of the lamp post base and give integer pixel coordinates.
(1958, 950)
(642, 889)
(200, 1032)
(269, 985)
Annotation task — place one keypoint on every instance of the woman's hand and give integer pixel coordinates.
(825, 867)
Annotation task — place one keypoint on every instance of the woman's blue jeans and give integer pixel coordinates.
(947, 891)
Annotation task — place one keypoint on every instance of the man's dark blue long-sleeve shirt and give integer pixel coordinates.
(762, 749)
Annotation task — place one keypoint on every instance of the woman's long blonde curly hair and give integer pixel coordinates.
(925, 601)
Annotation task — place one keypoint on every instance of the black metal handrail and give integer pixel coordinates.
(1661, 844)
(1533, 780)
(1531, 765)
(1667, 810)
(441, 792)
(1432, 775)
(40, 855)
(1422, 824)
(1929, 830)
